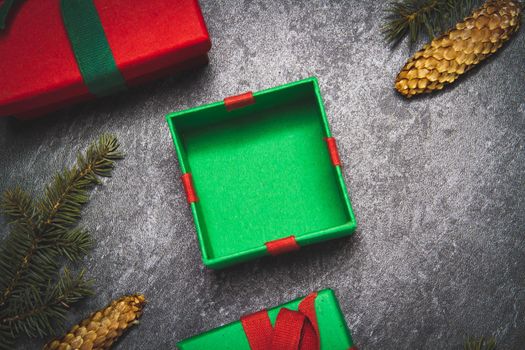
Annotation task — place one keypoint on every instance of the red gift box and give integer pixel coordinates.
(38, 68)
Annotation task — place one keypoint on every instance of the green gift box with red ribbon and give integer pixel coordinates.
(58, 52)
(314, 322)
(262, 173)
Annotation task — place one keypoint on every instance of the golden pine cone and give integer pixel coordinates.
(103, 327)
(447, 57)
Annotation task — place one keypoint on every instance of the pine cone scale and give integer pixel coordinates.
(103, 327)
(452, 54)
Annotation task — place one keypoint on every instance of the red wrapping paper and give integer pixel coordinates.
(38, 70)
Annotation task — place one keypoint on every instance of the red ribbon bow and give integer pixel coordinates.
(294, 330)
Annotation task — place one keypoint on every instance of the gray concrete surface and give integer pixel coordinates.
(437, 185)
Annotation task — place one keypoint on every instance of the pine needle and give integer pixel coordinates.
(41, 308)
(480, 344)
(17, 205)
(417, 18)
(34, 296)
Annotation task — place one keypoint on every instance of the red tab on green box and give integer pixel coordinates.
(318, 317)
(332, 149)
(282, 246)
(187, 182)
(239, 101)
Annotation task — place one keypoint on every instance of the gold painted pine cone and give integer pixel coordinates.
(444, 59)
(102, 328)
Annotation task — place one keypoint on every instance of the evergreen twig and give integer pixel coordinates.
(416, 18)
(34, 318)
(480, 344)
(17, 205)
(33, 295)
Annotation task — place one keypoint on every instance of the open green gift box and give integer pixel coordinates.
(262, 173)
(313, 322)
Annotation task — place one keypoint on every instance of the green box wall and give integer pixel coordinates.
(261, 173)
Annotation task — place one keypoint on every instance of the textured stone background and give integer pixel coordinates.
(437, 185)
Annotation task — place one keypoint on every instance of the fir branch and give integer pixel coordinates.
(37, 313)
(17, 205)
(74, 244)
(480, 344)
(20, 248)
(32, 294)
(58, 210)
(416, 18)
(7, 339)
(68, 191)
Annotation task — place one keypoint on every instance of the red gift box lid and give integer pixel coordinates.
(38, 70)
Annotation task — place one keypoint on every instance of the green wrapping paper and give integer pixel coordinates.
(333, 332)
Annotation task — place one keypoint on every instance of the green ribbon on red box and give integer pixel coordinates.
(89, 43)
(294, 330)
(5, 7)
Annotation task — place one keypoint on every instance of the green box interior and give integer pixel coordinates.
(261, 172)
(334, 333)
